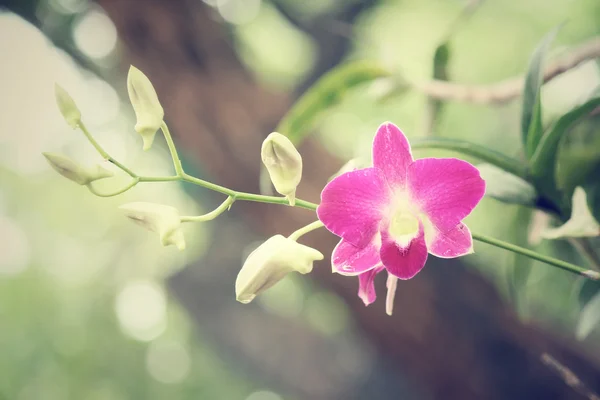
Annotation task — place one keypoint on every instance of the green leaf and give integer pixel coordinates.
(593, 191)
(482, 153)
(531, 116)
(589, 317)
(506, 187)
(433, 107)
(589, 289)
(578, 155)
(327, 92)
(544, 158)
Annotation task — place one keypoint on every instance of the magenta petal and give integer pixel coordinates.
(391, 154)
(446, 189)
(348, 259)
(403, 262)
(351, 205)
(453, 243)
(366, 285)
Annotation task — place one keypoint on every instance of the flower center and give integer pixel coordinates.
(404, 227)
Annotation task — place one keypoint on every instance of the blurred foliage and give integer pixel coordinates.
(83, 309)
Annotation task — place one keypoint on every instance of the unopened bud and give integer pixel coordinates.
(67, 106)
(148, 111)
(74, 171)
(283, 163)
(157, 218)
(270, 263)
(582, 222)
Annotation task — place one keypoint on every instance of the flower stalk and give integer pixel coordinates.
(233, 195)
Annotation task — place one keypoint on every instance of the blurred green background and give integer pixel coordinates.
(92, 307)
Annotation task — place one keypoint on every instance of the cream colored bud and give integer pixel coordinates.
(283, 163)
(269, 264)
(582, 222)
(74, 171)
(148, 111)
(158, 218)
(67, 106)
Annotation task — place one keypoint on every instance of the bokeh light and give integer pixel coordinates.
(141, 310)
(95, 34)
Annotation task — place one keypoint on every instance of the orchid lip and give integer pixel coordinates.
(404, 227)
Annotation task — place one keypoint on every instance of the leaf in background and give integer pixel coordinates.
(581, 224)
(433, 107)
(507, 187)
(325, 93)
(328, 91)
(578, 155)
(589, 289)
(544, 158)
(593, 192)
(531, 115)
(482, 153)
(589, 317)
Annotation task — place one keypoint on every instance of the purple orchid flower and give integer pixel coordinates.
(391, 215)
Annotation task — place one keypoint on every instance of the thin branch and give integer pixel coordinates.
(568, 377)
(509, 89)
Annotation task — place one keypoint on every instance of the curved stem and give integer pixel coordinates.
(211, 215)
(103, 153)
(588, 273)
(304, 230)
(122, 190)
(172, 149)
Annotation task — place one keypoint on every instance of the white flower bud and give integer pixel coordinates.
(269, 263)
(74, 171)
(283, 163)
(67, 106)
(581, 224)
(148, 111)
(157, 218)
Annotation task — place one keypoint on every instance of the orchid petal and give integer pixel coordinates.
(450, 244)
(446, 189)
(366, 285)
(348, 259)
(403, 262)
(351, 205)
(391, 154)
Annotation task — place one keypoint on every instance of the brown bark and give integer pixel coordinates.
(451, 334)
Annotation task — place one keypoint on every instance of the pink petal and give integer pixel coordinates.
(348, 259)
(351, 205)
(446, 189)
(366, 285)
(453, 243)
(403, 262)
(391, 154)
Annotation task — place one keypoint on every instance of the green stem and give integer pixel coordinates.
(275, 200)
(304, 230)
(497, 159)
(213, 214)
(172, 149)
(588, 273)
(160, 178)
(122, 190)
(243, 196)
(103, 153)
(500, 160)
